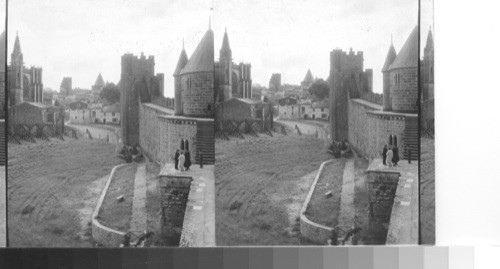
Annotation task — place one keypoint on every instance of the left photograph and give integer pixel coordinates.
(100, 152)
(3, 143)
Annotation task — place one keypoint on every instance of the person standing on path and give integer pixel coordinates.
(176, 159)
(395, 151)
(389, 157)
(187, 163)
(182, 158)
(384, 154)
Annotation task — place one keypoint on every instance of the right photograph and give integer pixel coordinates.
(324, 146)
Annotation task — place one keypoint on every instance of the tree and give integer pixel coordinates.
(111, 93)
(320, 89)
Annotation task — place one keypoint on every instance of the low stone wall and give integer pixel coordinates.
(311, 230)
(101, 234)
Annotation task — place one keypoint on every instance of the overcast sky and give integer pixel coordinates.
(80, 38)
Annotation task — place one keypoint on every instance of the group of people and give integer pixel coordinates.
(182, 160)
(390, 155)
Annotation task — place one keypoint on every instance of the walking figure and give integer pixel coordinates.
(389, 157)
(176, 159)
(182, 159)
(384, 154)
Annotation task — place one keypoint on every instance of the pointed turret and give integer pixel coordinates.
(181, 63)
(389, 59)
(99, 82)
(202, 59)
(17, 46)
(430, 41)
(391, 55)
(226, 66)
(225, 42)
(183, 59)
(309, 77)
(408, 55)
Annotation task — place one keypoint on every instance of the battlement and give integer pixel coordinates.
(343, 61)
(137, 66)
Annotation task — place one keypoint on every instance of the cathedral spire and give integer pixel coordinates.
(17, 45)
(225, 42)
(210, 22)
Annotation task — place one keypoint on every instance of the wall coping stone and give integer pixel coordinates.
(96, 225)
(305, 223)
(159, 108)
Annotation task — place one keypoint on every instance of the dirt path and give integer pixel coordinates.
(307, 128)
(139, 214)
(347, 210)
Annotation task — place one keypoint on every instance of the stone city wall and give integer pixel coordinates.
(173, 129)
(383, 125)
(369, 127)
(149, 128)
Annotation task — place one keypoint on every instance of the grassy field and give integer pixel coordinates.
(325, 210)
(114, 214)
(427, 191)
(52, 190)
(261, 184)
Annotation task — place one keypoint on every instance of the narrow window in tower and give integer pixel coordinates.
(209, 107)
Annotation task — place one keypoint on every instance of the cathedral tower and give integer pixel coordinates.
(16, 73)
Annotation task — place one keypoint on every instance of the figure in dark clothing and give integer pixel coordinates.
(384, 154)
(395, 151)
(201, 158)
(187, 163)
(176, 158)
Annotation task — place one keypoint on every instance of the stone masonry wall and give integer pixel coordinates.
(359, 132)
(405, 94)
(198, 99)
(174, 192)
(172, 130)
(369, 128)
(149, 129)
(381, 192)
(381, 126)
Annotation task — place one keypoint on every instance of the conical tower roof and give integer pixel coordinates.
(202, 59)
(391, 55)
(408, 55)
(99, 81)
(309, 77)
(225, 42)
(183, 59)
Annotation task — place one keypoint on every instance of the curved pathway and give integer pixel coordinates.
(139, 214)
